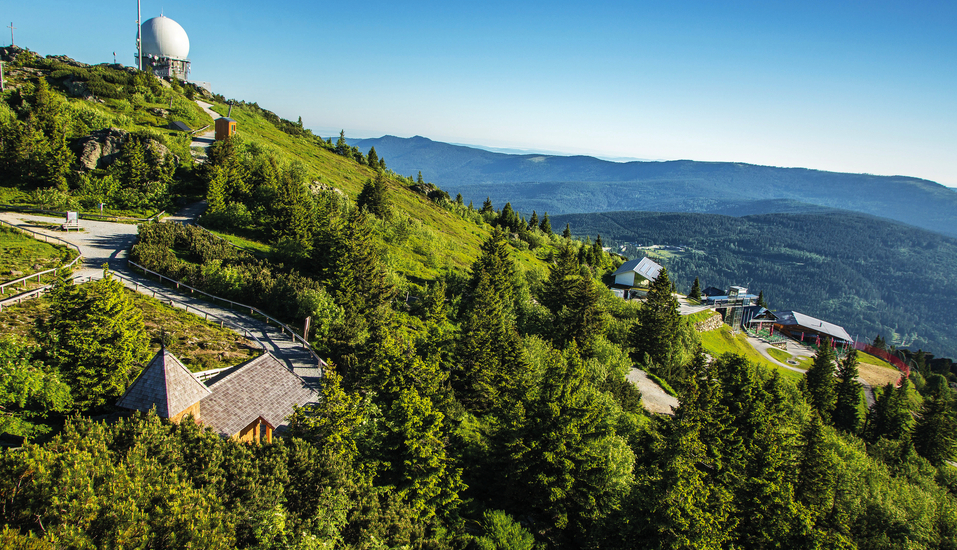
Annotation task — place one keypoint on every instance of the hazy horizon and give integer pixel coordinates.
(862, 88)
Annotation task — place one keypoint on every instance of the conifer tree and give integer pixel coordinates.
(567, 233)
(557, 468)
(847, 415)
(889, 417)
(495, 262)
(533, 221)
(97, 339)
(419, 179)
(563, 275)
(816, 475)
(935, 433)
(216, 193)
(761, 302)
(546, 225)
(656, 334)
(373, 196)
(373, 158)
(582, 319)
(691, 511)
(818, 382)
(695, 293)
(342, 148)
(419, 465)
(293, 207)
(486, 206)
(360, 289)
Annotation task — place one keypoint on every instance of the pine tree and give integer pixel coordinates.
(889, 417)
(216, 193)
(496, 263)
(293, 207)
(373, 197)
(546, 225)
(563, 274)
(695, 293)
(97, 339)
(935, 433)
(567, 233)
(761, 302)
(690, 511)
(419, 179)
(419, 465)
(656, 334)
(373, 158)
(533, 221)
(847, 415)
(360, 289)
(582, 320)
(342, 148)
(816, 476)
(819, 381)
(557, 466)
(333, 421)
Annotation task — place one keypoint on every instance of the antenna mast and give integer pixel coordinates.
(139, 38)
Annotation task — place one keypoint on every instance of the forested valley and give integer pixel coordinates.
(477, 395)
(870, 275)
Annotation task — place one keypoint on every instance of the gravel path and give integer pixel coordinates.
(654, 399)
(109, 243)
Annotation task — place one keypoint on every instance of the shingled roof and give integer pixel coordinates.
(262, 387)
(166, 384)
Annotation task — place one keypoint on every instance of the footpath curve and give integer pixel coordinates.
(109, 243)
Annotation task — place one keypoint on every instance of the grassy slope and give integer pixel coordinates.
(720, 341)
(24, 254)
(200, 345)
(438, 240)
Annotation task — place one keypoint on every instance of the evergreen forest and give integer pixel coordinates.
(870, 275)
(478, 394)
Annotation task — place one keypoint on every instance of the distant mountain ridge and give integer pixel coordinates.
(573, 184)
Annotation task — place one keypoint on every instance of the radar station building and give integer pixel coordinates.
(165, 48)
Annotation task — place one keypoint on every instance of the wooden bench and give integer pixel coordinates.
(71, 224)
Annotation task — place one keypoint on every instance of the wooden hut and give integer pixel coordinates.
(225, 128)
(246, 402)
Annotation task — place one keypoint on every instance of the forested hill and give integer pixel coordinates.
(560, 184)
(871, 275)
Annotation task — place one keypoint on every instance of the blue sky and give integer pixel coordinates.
(846, 86)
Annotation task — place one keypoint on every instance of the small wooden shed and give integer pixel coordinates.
(225, 127)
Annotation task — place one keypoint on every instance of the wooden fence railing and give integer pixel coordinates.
(46, 238)
(283, 327)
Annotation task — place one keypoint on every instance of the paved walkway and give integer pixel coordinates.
(109, 243)
(205, 139)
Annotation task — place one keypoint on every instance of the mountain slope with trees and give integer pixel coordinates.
(477, 394)
(571, 184)
(870, 275)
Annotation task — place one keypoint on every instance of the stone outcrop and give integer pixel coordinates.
(711, 323)
(102, 147)
(318, 187)
(76, 88)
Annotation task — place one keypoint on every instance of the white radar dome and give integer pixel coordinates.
(163, 37)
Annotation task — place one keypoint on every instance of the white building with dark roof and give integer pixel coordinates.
(634, 273)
